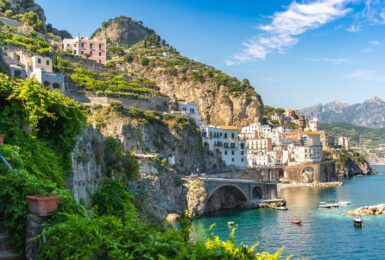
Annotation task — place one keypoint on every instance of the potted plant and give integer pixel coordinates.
(41, 205)
(2, 139)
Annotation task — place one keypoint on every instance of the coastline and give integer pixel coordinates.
(282, 186)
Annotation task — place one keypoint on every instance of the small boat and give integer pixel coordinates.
(358, 222)
(296, 222)
(328, 205)
(231, 224)
(344, 203)
(281, 208)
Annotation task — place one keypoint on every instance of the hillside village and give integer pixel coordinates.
(174, 120)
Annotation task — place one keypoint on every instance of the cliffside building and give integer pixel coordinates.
(343, 142)
(94, 49)
(226, 141)
(303, 147)
(191, 110)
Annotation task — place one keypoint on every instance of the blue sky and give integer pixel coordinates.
(294, 53)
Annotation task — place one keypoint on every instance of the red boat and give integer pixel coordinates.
(296, 222)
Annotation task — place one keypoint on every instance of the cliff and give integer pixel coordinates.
(167, 148)
(222, 99)
(349, 163)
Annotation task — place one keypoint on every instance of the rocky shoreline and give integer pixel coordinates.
(334, 184)
(256, 204)
(374, 210)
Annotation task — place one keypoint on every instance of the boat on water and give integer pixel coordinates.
(358, 222)
(231, 224)
(296, 222)
(282, 208)
(328, 205)
(344, 203)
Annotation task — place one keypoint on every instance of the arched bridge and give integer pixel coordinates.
(229, 190)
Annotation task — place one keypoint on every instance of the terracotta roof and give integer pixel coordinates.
(312, 133)
(229, 127)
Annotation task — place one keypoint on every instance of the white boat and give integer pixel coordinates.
(328, 205)
(358, 222)
(344, 203)
(282, 208)
(230, 223)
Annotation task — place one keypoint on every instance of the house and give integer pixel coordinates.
(302, 147)
(92, 49)
(225, 140)
(343, 142)
(17, 72)
(314, 124)
(190, 110)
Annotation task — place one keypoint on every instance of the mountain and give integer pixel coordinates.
(370, 113)
(222, 99)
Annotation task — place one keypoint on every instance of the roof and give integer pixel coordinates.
(229, 127)
(312, 133)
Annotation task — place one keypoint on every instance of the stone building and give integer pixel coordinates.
(190, 110)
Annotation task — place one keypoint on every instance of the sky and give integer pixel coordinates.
(295, 53)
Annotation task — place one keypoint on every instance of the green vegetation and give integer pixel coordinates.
(32, 19)
(32, 44)
(346, 157)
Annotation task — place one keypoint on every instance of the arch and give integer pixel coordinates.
(307, 175)
(257, 193)
(46, 84)
(56, 86)
(225, 197)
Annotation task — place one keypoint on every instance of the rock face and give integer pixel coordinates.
(368, 210)
(216, 105)
(122, 30)
(63, 34)
(353, 166)
(88, 169)
(159, 188)
(23, 6)
(370, 113)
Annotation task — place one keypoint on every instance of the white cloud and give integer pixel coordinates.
(286, 26)
(366, 75)
(334, 61)
(372, 13)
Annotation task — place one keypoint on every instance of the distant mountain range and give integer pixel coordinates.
(370, 113)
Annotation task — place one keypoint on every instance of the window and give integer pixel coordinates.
(82, 52)
(232, 152)
(100, 61)
(47, 62)
(232, 159)
(225, 135)
(232, 135)
(100, 46)
(91, 53)
(232, 145)
(242, 146)
(242, 159)
(91, 45)
(82, 45)
(75, 52)
(226, 145)
(100, 53)
(39, 60)
(242, 153)
(225, 152)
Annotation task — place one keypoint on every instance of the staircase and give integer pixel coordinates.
(6, 250)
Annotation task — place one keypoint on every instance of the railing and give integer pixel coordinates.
(6, 163)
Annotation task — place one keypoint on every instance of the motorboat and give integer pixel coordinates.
(344, 203)
(296, 222)
(358, 222)
(282, 208)
(328, 205)
(231, 224)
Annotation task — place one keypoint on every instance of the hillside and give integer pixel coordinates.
(370, 113)
(222, 99)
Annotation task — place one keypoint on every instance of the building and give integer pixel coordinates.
(92, 49)
(259, 151)
(343, 142)
(314, 124)
(302, 147)
(191, 110)
(225, 140)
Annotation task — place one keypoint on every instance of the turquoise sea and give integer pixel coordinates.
(324, 234)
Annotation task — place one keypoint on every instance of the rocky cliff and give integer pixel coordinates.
(167, 148)
(222, 100)
(122, 30)
(351, 164)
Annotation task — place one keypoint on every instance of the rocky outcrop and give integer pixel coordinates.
(63, 34)
(122, 30)
(176, 152)
(216, 105)
(23, 6)
(351, 164)
(368, 210)
(196, 197)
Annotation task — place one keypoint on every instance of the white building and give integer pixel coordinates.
(343, 141)
(225, 139)
(314, 124)
(191, 110)
(307, 150)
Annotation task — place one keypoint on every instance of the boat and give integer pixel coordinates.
(328, 205)
(296, 222)
(344, 203)
(231, 224)
(358, 222)
(282, 208)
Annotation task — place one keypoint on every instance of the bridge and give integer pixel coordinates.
(231, 189)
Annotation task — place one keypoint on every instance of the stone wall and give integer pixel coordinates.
(311, 172)
(88, 169)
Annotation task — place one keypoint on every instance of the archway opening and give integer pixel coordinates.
(308, 175)
(46, 84)
(225, 197)
(56, 86)
(257, 193)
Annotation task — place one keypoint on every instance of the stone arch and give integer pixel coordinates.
(46, 84)
(257, 193)
(225, 197)
(56, 86)
(307, 174)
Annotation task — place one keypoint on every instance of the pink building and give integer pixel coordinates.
(88, 49)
